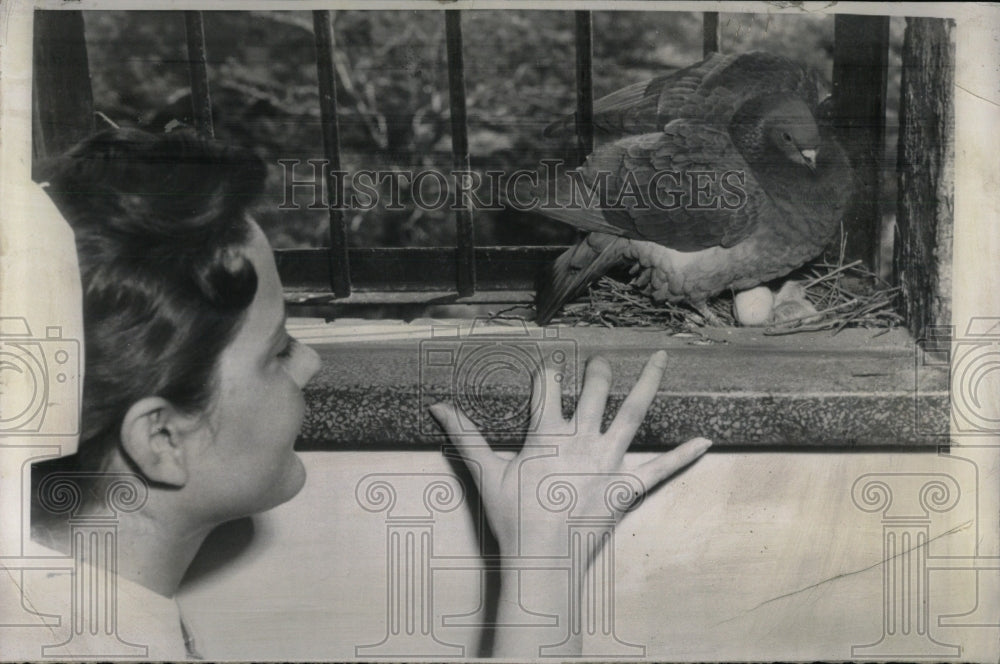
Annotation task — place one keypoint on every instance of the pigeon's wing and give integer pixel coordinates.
(634, 109)
(735, 80)
(687, 188)
(710, 90)
(759, 72)
(697, 94)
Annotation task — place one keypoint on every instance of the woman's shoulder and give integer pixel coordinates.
(42, 598)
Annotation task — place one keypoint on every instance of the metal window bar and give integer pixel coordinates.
(584, 85)
(201, 99)
(338, 259)
(465, 257)
(866, 103)
(860, 59)
(710, 33)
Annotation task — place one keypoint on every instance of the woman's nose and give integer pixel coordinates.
(307, 366)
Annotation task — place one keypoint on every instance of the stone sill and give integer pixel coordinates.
(737, 386)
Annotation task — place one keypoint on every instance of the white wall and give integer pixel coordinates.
(744, 556)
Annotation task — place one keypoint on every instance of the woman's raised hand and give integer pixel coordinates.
(565, 465)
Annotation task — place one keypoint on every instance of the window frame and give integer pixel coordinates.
(340, 279)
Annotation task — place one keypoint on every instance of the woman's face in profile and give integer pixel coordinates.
(248, 465)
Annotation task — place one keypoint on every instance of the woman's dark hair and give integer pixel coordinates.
(161, 235)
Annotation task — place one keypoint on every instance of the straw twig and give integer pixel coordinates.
(845, 294)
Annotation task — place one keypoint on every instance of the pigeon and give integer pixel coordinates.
(702, 204)
(711, 90)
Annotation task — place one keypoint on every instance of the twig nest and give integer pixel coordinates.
(753, 307)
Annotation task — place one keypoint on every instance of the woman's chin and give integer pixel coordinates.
(298, 478)
(280, 490)
(292, 482)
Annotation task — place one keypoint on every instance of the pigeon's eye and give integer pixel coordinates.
(787, 137)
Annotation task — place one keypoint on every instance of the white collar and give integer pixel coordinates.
(144, 618)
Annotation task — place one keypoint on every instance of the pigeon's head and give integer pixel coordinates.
(791, 128)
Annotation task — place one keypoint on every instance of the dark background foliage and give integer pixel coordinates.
(392, 80)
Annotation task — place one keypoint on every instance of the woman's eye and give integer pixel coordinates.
(288, 349)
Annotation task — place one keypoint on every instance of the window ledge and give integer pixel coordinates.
(736, 386)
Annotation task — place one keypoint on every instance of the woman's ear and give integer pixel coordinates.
(153, 434)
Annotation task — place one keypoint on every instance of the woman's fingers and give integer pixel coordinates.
(663, 466)
(594, 398)
(537, 399)
(464, 434)
(546, 400)
(633, 410)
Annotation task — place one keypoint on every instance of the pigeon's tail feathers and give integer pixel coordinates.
(574, 270)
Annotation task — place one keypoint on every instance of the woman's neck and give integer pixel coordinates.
(152, 551)
(154, 554)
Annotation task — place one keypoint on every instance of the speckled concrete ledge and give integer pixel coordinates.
(735, 386)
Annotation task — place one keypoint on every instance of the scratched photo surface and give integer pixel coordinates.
(395, 331)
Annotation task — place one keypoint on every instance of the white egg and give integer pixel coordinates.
(753, 307)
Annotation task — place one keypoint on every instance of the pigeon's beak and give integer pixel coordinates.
(809, 156)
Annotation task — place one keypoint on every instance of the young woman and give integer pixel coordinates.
(193, 383)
